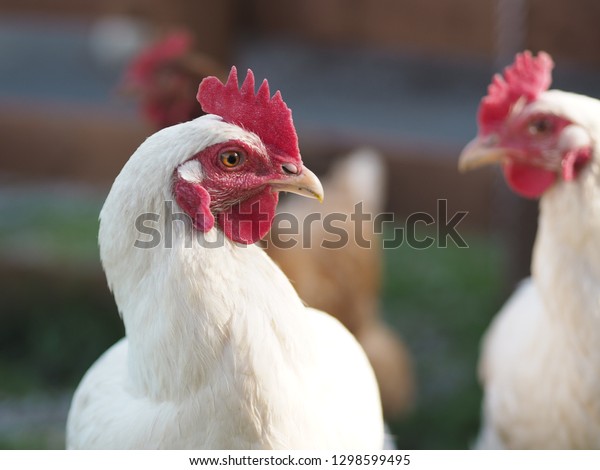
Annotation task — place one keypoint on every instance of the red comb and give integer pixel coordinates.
(157, 55)
(266, 116)
(526, 78)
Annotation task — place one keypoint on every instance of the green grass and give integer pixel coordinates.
(56, 227)
(52, 332)
(35, 439)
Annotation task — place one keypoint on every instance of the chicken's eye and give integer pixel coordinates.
(231, 158)
(540, 126)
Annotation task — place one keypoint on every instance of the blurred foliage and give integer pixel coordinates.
(441, 300)
(54, 325)
(56, 312)
(47, 225)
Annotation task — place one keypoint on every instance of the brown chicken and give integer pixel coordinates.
(346, 280)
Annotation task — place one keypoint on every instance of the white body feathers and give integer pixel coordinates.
(220, 352)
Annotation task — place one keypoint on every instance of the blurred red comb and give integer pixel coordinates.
(172, 47)
(526, 78)
(268, 117)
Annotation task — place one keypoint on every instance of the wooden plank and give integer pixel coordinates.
(462, 27)
(565, 29)
(211, 22)
(55, 141)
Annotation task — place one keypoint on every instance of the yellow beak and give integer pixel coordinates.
(481, 151)
(305, 184)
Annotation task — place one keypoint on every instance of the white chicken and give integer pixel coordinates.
(344, 282)
(541, 356)
(220, 352)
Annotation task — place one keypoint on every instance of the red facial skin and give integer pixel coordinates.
(239, 199)
(533, 165)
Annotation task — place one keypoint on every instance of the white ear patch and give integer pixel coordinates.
(191, 171)
(573, 137)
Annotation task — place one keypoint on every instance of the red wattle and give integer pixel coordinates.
(250, 220)
(574, 161)
(195, 201)
(527, 180)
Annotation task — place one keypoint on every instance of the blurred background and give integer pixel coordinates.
(402, 76)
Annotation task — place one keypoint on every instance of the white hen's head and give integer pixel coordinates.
(542, 138)
(224, 170)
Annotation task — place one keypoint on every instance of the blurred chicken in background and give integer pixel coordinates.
(165, 79)
(344, 281)
(540, 355)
